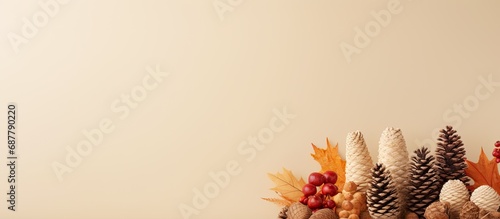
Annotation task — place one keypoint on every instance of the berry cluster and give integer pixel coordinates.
(496, 151)
(351, 203)
(323, 198)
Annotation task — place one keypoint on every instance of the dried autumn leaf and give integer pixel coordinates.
(279, 201)
(484, 172)
(329, 159)
(288, 187)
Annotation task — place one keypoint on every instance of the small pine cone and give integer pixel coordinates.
(450, 157)
(455, 193)
(424, 187)
(282, 214)
(358, 161)
(486, 198)
(469, 211)
(394, 155)
(382, 197)
(298, 211)
(437, 210)
(324, 213)
(484, 214)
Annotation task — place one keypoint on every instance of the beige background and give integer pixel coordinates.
(225, 79)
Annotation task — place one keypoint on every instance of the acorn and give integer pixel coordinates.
(484, 214)
(350, 187)
(486, 198)
(324, 213)
(469, 211)
(298, 210)
(437, 210)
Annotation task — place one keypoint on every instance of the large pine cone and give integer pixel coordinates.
(424, 187)
(382, 197)
(450, 157)
(358, 161)
(394, 155)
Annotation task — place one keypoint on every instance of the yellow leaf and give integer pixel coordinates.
(287, 185)
(329, 159)
(279, 201)
(484, 172)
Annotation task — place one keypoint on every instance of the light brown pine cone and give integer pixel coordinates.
(324, 213)
(298, 210)
(437, 210)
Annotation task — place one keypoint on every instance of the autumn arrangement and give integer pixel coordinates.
(443, 185)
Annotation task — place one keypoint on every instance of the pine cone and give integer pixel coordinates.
(282, 214)
(450, 157)
(424, 187)
(324, 213)
(486, 198)
(469, 211)
(382, 196)
(437, 210)
(358, 161)
(298, 211)
(455, 193)
(394, 155)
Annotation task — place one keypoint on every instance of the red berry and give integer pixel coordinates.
(330, 177)
(316, 179)
(329, 189)
(497, 144)
(330, 204)
(320, 195)
(309, 189)
(496, 152)
(314, 202)
(303, 200)
(498, 160)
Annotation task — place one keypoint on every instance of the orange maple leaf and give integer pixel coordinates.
(288, 187)
(329, 159)
(484, 172)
